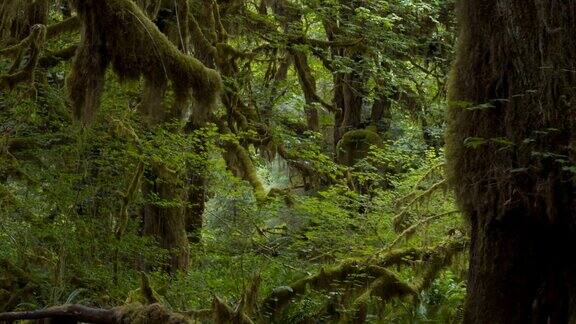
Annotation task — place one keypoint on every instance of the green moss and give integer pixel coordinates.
(246, 169)
(18, 16)
(372, 128)
(355, 145)
(32, 45)
(118, 33)
(150, 314)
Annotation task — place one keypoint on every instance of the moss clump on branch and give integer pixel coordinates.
(65, 26)
(355, 144)
(118, 33)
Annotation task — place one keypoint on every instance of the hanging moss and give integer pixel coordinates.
(85, 80)
(355, 145)
(117, 32)
(18, 16)
(11, 12)
(150, 7)
(239, 161)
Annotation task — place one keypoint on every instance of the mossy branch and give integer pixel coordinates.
(77, 312)
(13, 50)
(65, 26)
(387, 286)
(118, 33)
(400, 218)
(412, 229)
(34, 42)
(371, 272)
(386, 257)
(205, 46)
(127, 198)
(52, 59)
(439, 260)
(349, 275)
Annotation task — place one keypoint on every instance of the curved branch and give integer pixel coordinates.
(77, 312)
(68, 25)
(35, 41)
(54, 58)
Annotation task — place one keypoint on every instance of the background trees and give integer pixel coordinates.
(211, 143)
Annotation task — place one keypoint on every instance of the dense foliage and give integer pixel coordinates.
(312, 190)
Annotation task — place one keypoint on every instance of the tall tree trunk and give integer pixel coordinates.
(349, 87)
(166, 222)
(381, 114)
(348, 98)
(292, 16)
(510, 152)
(308, 85)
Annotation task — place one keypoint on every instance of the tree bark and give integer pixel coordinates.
(349, 87)
(509, 151)
(167, 223)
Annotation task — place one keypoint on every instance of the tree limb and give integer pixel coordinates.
(77, 312)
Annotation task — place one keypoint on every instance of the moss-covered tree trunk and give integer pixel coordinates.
(168, 219)
(510, 152)
(349, 87)
(165, 219)
(381, 114)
